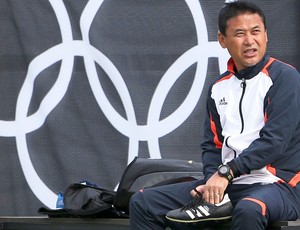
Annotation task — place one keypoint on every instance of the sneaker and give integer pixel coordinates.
(199, 210)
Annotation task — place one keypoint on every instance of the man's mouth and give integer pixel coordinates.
(250, 52)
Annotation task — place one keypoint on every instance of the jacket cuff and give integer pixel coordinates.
(234, 169)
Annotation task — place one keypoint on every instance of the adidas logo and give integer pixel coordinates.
(200, 211)
(223, 101)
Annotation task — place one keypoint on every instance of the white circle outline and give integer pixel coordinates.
(66, 51)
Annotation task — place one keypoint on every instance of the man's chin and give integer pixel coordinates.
(252, 62)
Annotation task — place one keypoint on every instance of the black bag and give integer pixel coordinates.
(144, 172)
(85, 199)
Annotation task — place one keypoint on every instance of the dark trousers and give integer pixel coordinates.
(264, 204)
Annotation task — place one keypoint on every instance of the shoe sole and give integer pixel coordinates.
(199, 220)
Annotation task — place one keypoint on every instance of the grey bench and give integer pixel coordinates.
(45, 223)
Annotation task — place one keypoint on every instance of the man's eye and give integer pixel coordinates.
(239, 34)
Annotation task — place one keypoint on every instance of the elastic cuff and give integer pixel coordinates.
(233, 169)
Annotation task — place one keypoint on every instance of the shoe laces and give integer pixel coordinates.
(198, 199)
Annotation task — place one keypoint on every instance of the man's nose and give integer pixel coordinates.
(249, 39)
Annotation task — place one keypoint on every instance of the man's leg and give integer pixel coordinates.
(261, 205)
(149, 207)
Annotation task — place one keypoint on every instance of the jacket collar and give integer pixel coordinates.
(250, 72)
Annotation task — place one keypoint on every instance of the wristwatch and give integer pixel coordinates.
(224, 171)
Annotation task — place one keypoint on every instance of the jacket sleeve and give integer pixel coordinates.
(282, 113)
(212, 140)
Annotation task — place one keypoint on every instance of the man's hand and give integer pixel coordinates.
(213, 190)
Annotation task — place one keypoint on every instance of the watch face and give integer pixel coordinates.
(223, 169)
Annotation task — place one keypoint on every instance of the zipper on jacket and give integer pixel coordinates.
(226, 143)
(243, 86)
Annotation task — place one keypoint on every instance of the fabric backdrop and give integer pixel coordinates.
(86, 86)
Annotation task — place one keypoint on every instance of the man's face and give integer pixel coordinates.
(246, 40)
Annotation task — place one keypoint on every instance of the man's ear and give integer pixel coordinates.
(222, 40)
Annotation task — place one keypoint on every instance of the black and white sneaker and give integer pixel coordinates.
(199, 210)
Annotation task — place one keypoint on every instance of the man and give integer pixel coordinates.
(251, 147)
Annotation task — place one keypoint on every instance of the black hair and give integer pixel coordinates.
(234, 9)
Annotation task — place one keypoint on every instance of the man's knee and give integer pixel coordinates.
(251, 213)
(136, 201)
(250, 207)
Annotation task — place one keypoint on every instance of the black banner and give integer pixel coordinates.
(88, 85)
